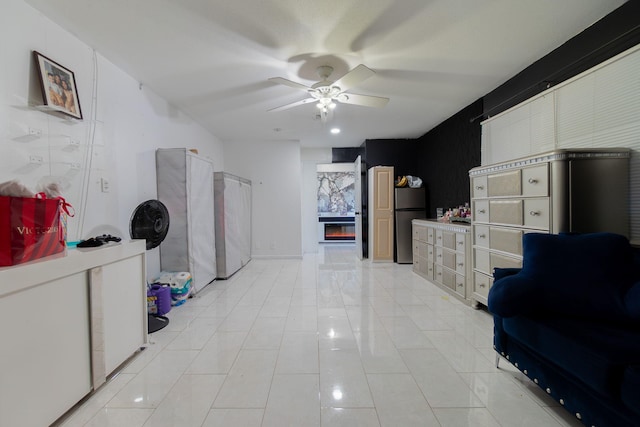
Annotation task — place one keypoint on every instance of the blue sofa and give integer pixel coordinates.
(570, 321)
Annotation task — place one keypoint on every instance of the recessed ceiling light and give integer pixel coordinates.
(335, 131)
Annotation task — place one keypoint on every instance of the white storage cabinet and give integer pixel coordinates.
(185, 186)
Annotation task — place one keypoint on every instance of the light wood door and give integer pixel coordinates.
(380, 180)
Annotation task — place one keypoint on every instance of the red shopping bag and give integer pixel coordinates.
(29, 229)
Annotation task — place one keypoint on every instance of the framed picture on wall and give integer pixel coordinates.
(58, 84)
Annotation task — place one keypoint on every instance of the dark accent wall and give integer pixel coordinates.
(613, 34)
(445, 154)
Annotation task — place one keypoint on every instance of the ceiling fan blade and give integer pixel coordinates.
(364, 100)
(293, 104)
(290, 83)
(353, 77)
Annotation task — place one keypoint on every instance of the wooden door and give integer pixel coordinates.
(380, 181)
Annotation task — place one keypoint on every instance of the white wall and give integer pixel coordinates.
(310, 158)
(123, 125)
(274, 169)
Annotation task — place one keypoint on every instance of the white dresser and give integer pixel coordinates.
(559, 191)
(442, 254)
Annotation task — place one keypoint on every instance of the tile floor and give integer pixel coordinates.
(324, 341)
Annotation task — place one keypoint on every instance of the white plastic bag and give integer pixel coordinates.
(414, 181)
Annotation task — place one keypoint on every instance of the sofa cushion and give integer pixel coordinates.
(631, 388)
(584, 275)
(594, 352)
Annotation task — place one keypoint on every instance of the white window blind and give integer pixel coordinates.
(599, 108)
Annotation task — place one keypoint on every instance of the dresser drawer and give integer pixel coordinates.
(424, 265)
(449, 240)
(536, 213)
(505, 184)
(481, 236)
(461, 242)
(449, 259)
(535, 181)
(421, 248)
(429, 269)
(501, 261)
(481, 210)
(483, 262)
(420, 233)
(506, 211)
(460, 263)
(479, 187)
(448, 278)
(506, 240)
(481, 285)
(437, 273)
(461, 285)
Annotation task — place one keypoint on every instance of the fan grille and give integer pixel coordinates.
(150, 221)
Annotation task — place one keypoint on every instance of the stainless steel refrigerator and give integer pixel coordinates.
(409, 204)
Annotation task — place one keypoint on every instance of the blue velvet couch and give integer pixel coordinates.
(570, 321)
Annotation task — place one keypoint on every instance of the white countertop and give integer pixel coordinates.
(23, 276)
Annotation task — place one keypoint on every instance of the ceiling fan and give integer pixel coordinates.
(326, 92)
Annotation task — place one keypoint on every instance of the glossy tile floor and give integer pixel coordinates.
(324, 341)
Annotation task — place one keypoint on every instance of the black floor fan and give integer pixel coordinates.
(150, 221)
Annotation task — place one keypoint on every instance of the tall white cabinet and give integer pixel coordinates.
(185, 186)
(380, 213)
(233, 223)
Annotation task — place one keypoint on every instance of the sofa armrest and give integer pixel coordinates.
(499, 273)
(513, 295)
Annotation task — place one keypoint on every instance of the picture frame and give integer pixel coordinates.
(58, 84)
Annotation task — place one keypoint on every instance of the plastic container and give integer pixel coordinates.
(162, 295)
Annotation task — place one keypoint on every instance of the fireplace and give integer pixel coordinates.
(336, 229)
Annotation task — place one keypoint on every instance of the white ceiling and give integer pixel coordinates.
(213, 58)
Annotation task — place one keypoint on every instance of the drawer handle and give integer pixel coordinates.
(439, 256)
(460, 264)
(481, 211)
(439, 237)
(482, 236)
(533, 181)
(460, 243)
(439, 274)
(482, 285)
(460, 285)
(534, 213)
(479, 187)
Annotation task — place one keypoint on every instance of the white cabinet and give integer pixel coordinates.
(442, 255)
(185, 186)
(233, 223)
(61, 335)
(558, 191)
(124, 327)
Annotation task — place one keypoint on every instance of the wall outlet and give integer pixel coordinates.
(36, 160)
(104, 185)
